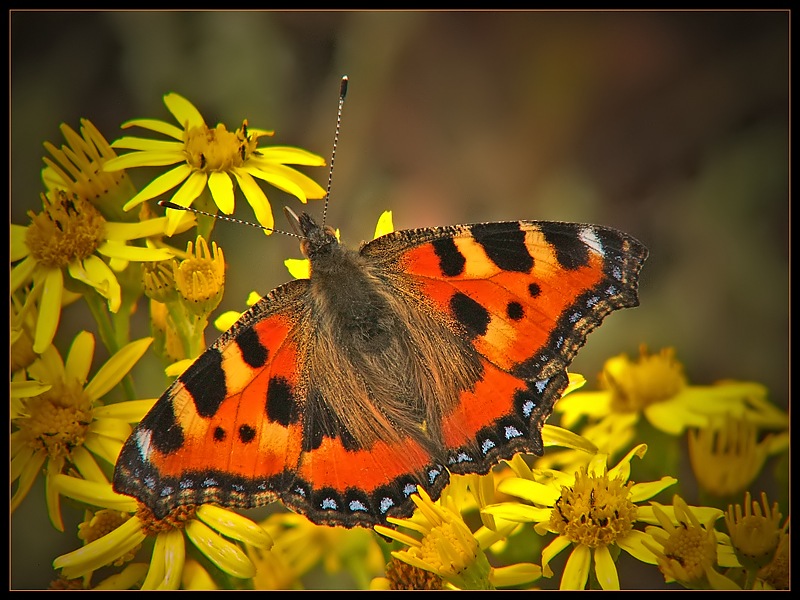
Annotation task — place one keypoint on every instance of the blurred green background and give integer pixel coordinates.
(672, 126)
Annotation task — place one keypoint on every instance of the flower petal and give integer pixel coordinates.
(576, 571)
(143, 158)
(221, 552)
(256, 198)
(101, 551)
(174, 559)
(144, 144)
(22, 273)
(385, 224)
(290, 155)
(93, 493)
(221, 188)
(159, 185)
(156, 125)
(516, 574)
(87, 466)
(120, 250)
(17, 244)
(95, 272)
(106, 448)
(299, 268)
(287, 179)
(623, 469)
(28, 389)
(116, 429)
(551, 550)
(645, 491)
(124, 232)
(79, 359)
(532, 491)
(49, 310)
(632, 544)
(126, 579)
(604, 569)
(184, 111)
(116, 367)
(234, 525)
(558, 436)
(28, 472)
(131, 411)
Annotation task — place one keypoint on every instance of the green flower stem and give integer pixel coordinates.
(111, 327)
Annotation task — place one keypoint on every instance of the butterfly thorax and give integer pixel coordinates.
(347, 301)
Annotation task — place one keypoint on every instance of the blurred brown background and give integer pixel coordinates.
(673, 126)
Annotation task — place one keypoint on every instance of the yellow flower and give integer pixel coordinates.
(209, 528)
(70, 235)
(655, 386)
(755, 535)
(301, 546)
(590, 510)
(403, 576)
(688, 552)
(65, 425)
(775, 575)
(78, 168)
(447, 547)
(200, 277)
(727, 459)
(208, 157)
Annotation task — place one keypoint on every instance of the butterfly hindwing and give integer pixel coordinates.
(228, 430)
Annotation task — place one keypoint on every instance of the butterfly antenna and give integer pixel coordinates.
(172, 205)
(342, 94)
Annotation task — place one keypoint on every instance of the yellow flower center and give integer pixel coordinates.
(595, 511)
(176, 519)
(403, 576)
(57, 420)
(461, 553)
(653, 378)
(105, 521)
(218, 149)
(200, 279)
(69, 228)
(693, 549)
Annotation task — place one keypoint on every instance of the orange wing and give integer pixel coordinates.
(240, 428)
(526, 294)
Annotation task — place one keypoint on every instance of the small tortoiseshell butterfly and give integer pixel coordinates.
(425, 352)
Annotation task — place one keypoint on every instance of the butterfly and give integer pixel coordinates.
(423, 353)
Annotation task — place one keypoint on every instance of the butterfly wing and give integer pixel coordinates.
(525, 295)
(228, 430)
(245, 425)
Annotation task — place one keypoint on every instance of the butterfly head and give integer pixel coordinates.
(316, 239)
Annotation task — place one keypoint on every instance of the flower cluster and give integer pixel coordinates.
(99, 250)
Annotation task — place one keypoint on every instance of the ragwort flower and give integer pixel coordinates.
(444, 545)
(655, 386)
(66, 425)
(689, 551)
(71, 236)
(591, 510)
(210, 158)
(210, 529)
(78, 168)
(726, 459)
